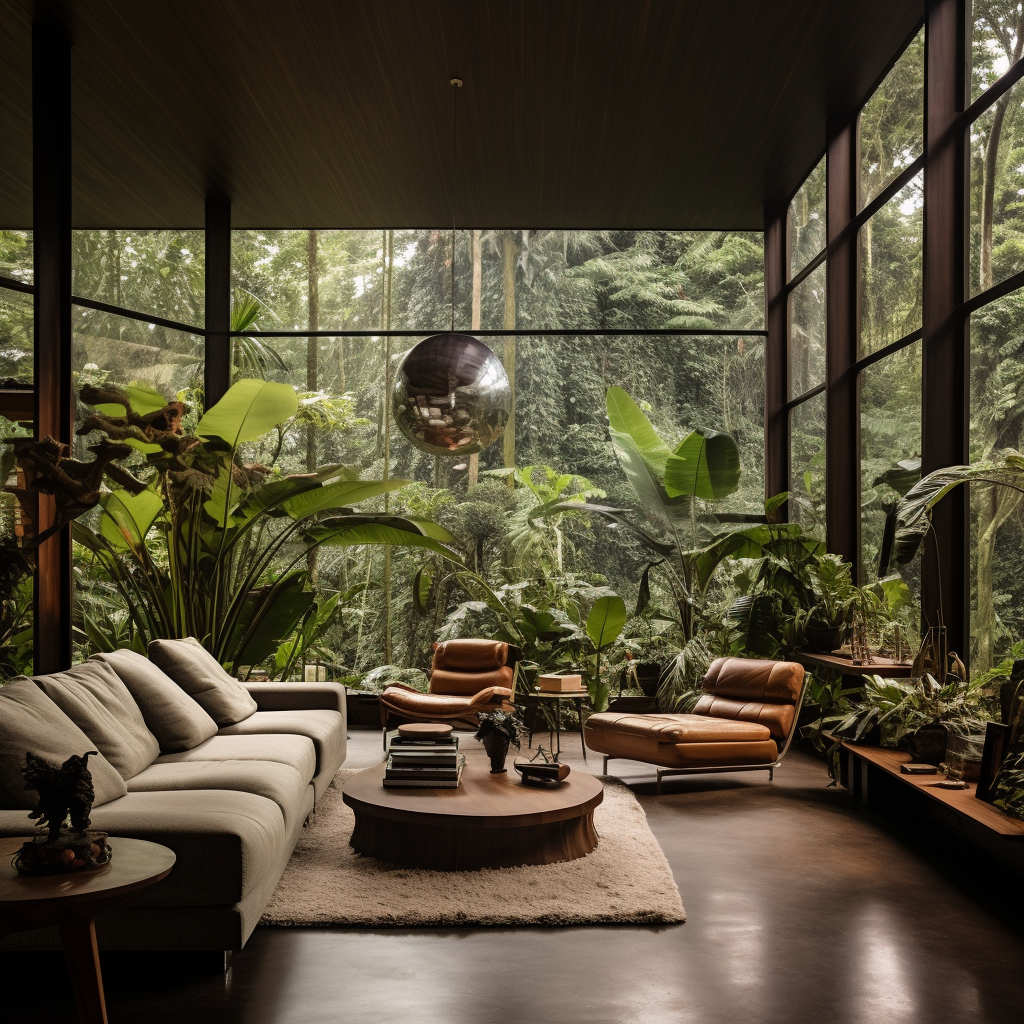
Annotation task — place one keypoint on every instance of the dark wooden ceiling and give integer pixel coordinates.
(338, 113)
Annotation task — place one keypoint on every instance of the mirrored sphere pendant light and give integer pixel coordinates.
(451, 394)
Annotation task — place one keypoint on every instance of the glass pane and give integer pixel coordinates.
(807, 465)
(116, 350)
(342, 404)
(892, 123)
(807, 334)
(560, 422)
(16, 593)
(997, 26)
(997, 188)
(17, 344)
(890, 269)
(890, 450)
(157, 272)
(997, 516)
(559, 279)
(16, 255)
(807, 220)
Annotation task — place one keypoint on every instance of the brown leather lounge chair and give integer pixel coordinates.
(748, 712)
(466, 676)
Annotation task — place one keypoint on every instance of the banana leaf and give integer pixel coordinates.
(128, 517)
(248, 410)
(605, 621)
(619, 516)
(643, 456)
(705, 465)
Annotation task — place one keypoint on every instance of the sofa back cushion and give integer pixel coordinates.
(470, 655)
(94, 698)
(201, 676)
(174, 718)
(750, 690)
(30, 721)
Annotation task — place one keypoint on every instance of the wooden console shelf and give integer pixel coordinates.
(880, 666)
(962, 801)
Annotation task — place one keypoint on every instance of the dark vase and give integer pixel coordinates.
(928, 745)
(648, 675)
(824, 639)
(496, 744)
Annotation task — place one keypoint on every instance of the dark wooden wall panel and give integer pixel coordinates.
(55, 400)
(842, 430)
(217, 374)
(945, 373)
(776, 353)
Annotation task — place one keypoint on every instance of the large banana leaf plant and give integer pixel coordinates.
(705, 465)
(208, 546)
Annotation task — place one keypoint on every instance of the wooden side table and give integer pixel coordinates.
(72, 901)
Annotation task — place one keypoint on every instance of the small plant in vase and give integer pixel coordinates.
(498, 730)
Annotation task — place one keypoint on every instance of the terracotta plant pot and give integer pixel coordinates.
(496, 744)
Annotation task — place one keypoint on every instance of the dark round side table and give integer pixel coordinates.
(72, 901)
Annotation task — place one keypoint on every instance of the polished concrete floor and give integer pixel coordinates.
(800, 909)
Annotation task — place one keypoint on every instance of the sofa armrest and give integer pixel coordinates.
(298, 696)
(15, 823)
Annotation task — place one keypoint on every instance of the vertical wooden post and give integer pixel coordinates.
(842, 425)
(217, 375)
(776, 352)
(945, 358)
(54, 395)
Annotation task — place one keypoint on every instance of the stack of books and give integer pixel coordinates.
(424, 762)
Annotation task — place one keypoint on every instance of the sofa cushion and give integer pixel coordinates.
(177, 721)
(755, 680)
(94, 698)
(679, 728)
(777, 718)
(296, 751)
(271, 779)
(30, 721)
(201, 676)
(470, 655)
(225, 841)
(324, 728)
(467, 684)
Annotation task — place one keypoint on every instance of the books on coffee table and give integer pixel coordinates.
(442, 773)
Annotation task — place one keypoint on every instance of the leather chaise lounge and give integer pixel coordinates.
(744, 721)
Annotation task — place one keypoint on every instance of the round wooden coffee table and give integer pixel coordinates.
(490, 821)
(72, 902)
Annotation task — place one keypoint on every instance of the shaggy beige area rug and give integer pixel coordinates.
(626, 880)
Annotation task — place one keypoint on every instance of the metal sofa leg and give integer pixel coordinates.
(657, 788)
(604, 770)
(771, 774)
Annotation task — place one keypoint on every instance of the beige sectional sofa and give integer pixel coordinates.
(226, 775)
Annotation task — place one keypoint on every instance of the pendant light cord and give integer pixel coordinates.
(457, 83)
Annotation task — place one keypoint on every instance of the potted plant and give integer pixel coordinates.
(917, 715)
(835, 593)
(498, 730)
